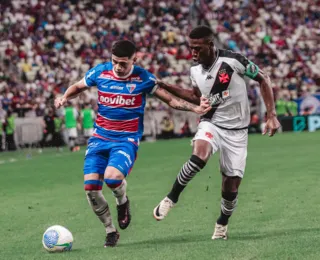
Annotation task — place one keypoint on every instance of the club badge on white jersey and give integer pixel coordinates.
(223, 84)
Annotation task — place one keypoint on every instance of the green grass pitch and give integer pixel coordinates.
(277, 215)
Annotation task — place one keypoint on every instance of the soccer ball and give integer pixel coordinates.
(57, 239)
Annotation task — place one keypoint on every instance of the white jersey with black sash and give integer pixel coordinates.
(224, 85)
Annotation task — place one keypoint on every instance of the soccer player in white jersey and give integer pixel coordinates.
(219, 76)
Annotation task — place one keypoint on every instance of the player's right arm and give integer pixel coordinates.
(192, 95)
(72, 92)
(180, 104)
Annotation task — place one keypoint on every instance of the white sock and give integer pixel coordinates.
(101, 209)
(120, 193)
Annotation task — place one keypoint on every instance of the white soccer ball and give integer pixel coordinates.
(57, 239)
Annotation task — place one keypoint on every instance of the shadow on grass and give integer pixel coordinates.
(180, 239)
(194, 238)
(273, 233)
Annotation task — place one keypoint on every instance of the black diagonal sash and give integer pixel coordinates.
(221, 84)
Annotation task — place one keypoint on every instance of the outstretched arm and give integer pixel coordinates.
(266, 91)
(181, 104)
(192, 95)
(72, 92)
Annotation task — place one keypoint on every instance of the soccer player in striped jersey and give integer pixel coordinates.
(122, 89)
(219, 75)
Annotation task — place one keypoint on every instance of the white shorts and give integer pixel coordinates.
(232, 145)
(72, 132)
(88, 132)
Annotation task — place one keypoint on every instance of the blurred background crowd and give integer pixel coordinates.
(47, 45)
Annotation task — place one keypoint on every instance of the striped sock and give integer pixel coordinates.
(187, 172)
(229, 203)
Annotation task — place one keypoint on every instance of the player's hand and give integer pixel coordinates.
(204, 106)
(60, 101)
(161, 84)
(272, 125)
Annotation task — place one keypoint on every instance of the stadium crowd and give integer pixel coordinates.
(282, 37)
(47, 45)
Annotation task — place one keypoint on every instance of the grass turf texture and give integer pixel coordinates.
(277, 215)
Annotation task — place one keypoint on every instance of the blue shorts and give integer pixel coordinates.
(102, 153)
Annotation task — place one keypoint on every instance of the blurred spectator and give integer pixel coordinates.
(87, 120)
(1, 135)
(281, 107)
(185, 130)
(306, 111)
(167, 128)
(9, 130)
(292, 107)
(254, 126)
(48, 129)
(57, 136)
(71, 117)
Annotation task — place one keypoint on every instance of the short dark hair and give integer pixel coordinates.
(201, 32)
(123, 48)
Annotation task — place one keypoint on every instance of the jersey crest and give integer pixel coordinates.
(223, 76)
(219, 92)
(131, 87)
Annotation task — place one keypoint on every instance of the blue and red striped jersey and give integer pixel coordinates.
(121, 101)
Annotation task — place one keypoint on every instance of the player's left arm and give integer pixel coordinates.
(272, 123)
(180, 104)
(245, 67)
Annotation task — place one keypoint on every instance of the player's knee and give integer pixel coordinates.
(113, 173)
(202, 149)
(230, 196)
(202, 154)
(113, 177)
(230, 184)
(113, 183)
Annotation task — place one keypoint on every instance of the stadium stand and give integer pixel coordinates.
(47, 45)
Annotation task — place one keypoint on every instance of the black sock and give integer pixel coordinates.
(187, 172)
(229, 202)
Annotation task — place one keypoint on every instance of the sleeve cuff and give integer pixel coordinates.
(85, 82)
(154, 89)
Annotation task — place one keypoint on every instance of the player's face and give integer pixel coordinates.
(200, 49)
(122, 65)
